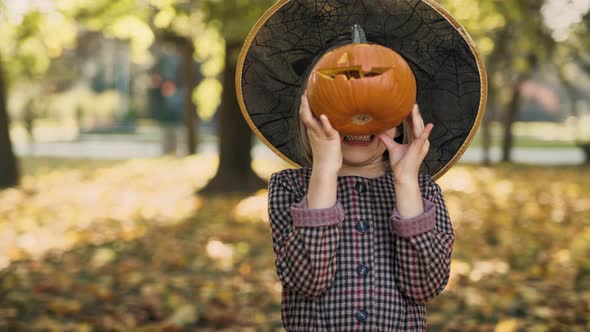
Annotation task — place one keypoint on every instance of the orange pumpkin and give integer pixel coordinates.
(362, 88)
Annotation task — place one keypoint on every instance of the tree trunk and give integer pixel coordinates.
(486, 135)
(235, 174)
(509, 119)
(586, 149)
(571, 93)
(514, 107)
(494, 64)
(190, 111)
(9, 174)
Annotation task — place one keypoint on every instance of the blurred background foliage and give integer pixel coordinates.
(119, 124)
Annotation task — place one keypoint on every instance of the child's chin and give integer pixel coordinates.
(356, 160)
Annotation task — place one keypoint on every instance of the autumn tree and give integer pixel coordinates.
(183, 22)
(9, 174)
(512, 39)
(29, 42)
(235, 172)
(575, 49)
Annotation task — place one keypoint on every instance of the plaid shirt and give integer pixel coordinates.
(357, 266)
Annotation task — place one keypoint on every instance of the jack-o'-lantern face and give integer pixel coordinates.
(362, 88)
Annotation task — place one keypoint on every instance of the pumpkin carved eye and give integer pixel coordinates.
(351, 73)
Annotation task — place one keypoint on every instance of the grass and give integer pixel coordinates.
(91, 245)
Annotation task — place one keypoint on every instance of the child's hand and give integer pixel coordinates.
(324, 140)
(405, 159)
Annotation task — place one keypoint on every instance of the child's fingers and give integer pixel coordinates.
(327, 126)
(417, 121)
(425, 147)
(425, 142)
(389, 143)
(307, 117)
(424, 150)
(312, 124)
(422, 140)
(304, 108)
(426, 132)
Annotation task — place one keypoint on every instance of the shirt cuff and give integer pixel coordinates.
(308, 217)
(416, 225)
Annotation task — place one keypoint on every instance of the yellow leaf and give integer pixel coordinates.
(508, 325)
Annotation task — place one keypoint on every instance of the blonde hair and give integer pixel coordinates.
(302, 142)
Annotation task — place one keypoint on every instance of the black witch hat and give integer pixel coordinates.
(283, 45)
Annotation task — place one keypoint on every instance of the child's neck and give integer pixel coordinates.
(372, 170)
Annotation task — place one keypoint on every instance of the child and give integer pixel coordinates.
(359, 245)
(361, 232)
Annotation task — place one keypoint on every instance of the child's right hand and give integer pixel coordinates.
(325, 141)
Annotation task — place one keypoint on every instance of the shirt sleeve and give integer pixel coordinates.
(305, 240)
(423, 247)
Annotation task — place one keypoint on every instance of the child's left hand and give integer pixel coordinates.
(405, 159)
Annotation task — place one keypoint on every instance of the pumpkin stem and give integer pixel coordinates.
(358, 35)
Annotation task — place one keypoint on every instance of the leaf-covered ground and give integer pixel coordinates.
(127, 246)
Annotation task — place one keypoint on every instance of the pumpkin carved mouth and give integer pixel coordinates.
(352, 73)
(365, 138)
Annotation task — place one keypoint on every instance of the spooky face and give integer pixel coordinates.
(362, 88)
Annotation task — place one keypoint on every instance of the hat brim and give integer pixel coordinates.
(282, 46)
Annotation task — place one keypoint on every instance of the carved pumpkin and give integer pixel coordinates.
(362, 88)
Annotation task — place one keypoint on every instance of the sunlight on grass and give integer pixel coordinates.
(265, 167)
(59, 208)
(223, 254)
(253, 208)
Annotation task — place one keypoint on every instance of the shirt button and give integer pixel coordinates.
(362, 270)
(362, 315)
(360, 187)
(362, 226)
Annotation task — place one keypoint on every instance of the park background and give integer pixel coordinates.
(134, 193)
